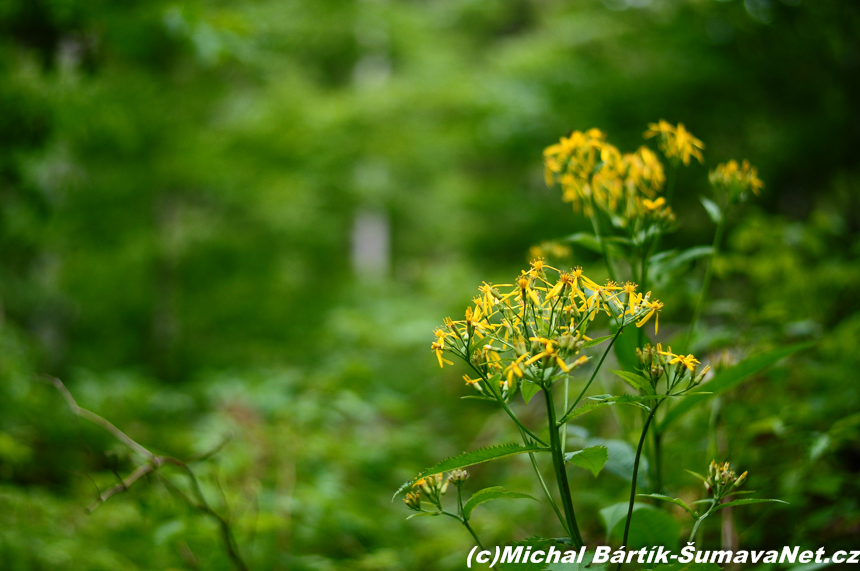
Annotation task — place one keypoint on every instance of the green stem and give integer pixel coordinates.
(593, 374)
(474, 535)
(560, 471)
(505, 406)
(466, 524)
(548, 494)
(636, 475)
(706, 283)
(700, 520)
(658, 461)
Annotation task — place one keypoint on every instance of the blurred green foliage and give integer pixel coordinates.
(179, 190)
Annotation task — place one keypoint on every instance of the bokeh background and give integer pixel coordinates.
(246, 217)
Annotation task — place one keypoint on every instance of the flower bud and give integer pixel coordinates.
(566, 342)
(413, 500)
(520, 347)
(457, 477)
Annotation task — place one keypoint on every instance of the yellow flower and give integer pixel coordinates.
(438, 347)
(654, 309)
(524, 283)
(689, 361)
(550, 352)
(676, 142)
(515, 369)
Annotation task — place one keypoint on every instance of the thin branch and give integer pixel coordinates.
(94, 418)
(124, 485)
(152, 466)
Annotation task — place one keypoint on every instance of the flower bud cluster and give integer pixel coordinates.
(433, 487)
(721, 480)
(732, 181)
(656, 362)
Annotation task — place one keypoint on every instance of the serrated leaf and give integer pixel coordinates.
(592, 459)
(747, 501)
(637, 381)
(728, 378)
(713, 209)
(602, 401)
(584, 409)
(478, 456)
(595, 341)
(529, 389)
(705, 501)
(489, 494)
(676, 501)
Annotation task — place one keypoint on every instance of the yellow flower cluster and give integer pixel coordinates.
(534, 327)
(736, 179)
(676, 142)
(594, 173)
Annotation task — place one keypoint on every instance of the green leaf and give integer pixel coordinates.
(602, 401)
(488, 494)
(588, 241)
(676, 501)
(621, 458)
(637, 381)
(648, 526)
(471, 458)
(596, 341)
(625, 348)
(479, 397)
(747, 501)
(529, 389)
(666, 263)
(728, 378)
(592, 459)
(713, 209)
(584, 409)
(616, 513)
(419, 514)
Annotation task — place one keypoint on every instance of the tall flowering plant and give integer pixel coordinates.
(531, 337)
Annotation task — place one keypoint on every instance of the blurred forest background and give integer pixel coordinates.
(246, 217)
